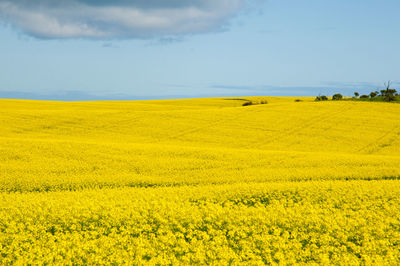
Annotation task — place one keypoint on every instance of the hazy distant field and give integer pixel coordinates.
(200, 181)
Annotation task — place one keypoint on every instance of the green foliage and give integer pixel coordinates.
(337, 97)
(373, 94)
(386, 95)
(254, 103)
(321, 98)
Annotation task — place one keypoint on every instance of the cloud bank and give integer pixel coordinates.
(104, 19)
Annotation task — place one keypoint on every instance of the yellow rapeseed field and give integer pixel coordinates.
(200, 181)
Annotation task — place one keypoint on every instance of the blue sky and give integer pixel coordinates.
(152, 49)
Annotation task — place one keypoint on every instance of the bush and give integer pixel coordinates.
(254, 103)
(321, 98)
(337, 97)
(373, 94)
(364, 96)
(389, 97)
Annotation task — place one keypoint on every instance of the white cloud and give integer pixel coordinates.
(104, 19)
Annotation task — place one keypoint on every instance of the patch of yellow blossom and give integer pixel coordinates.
(200, 181)
(353, 222)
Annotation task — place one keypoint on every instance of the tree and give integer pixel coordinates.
(388, 94)
(373, 94)
(356, 94)
(337, 97)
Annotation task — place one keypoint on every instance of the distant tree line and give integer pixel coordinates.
(386, 95)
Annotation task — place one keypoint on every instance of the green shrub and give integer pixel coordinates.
(337, 97)
(254, 103)
(373, 94)
(321, 98)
